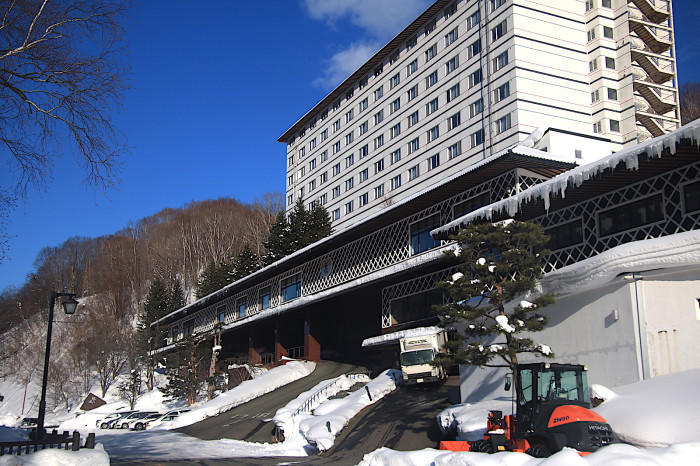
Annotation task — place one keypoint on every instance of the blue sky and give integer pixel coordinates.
(213, 85)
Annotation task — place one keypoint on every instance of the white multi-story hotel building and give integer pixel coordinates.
(468, 78)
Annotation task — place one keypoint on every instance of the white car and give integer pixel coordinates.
(139, 423)
(167, 417)
(124, 422)
(104, 423)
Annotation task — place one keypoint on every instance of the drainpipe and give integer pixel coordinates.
(642, 356)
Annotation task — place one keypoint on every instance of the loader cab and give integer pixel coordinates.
(542, 387)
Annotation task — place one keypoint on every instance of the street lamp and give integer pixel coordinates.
(69, 305)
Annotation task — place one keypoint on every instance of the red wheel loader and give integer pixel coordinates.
(552, 411)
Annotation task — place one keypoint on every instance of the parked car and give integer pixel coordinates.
(123, 423)
(29, 423)
(140, 423)
(105, 422)
(169, 416)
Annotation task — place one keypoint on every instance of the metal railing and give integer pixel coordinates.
(310, 403)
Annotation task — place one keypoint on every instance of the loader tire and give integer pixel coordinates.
(538, 450)
(483, 446)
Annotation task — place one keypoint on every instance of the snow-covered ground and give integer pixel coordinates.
(54, 457)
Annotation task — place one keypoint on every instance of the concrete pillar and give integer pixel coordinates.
(280, 350)
(312, 348)
(253, 354)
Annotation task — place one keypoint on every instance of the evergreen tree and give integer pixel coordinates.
(214, 277)
(187, 370)
(176, 297)
(277, 244)
(150, 338)
(319, 224)
(246, 263)
(500, 263)
(299, 226)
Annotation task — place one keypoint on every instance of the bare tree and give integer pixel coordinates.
(690, 102)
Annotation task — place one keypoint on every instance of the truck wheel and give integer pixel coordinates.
(104, 425)
(483, 446)
(538, 450)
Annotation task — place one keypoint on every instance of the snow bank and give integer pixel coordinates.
(390, 337)
(246, 391)
(619, 455)
(55, 457)
(468, 420)
(321, 428)
(656, 412)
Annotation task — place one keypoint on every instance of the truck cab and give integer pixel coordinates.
(417, 354)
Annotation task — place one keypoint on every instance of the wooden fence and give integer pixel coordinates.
(52, 440)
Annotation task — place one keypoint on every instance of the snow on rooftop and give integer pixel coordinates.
(395, 336)
(677, 250)
(575, 177)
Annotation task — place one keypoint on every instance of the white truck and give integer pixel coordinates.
(417, 355)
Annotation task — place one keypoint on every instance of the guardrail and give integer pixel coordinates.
(296, 352)
(307, 405)
(53, 440)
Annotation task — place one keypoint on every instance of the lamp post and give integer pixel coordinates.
(69, 305)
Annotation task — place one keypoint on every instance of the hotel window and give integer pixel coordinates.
(324, 134)
(364, 150)
(312, 185)
(413, 146)
(290, 161)
(396, 105)
(471, 204)
(631, 215)
(349, 138)
(593, 65)
(336, 169)
(291, 287)
(336, 105)
(394, 57)
(336, 125)
(431, 80)
(378, 117)
(364, 174)
(323, 199)
(301, 172)
(433, 162)
(396, 182)
(312, 144)
(396, 130)
(336, 147)
(454, 121)
(501, 92)
(500, 61)
(433, 133)
(499, 31)
(264, 298)
(610, 63)
(323, 177)
(324, 115)
(377, 71)
(312, 164)
(691, 197)
(430, 27)
(221, 314)
(450, 10)
(450, 37)
(503, 124)
(411, 42)
(413, 172)
(335, 192)
(421, 240)
(477, 138)
(290, 199)
(378, 93)
(413, 119)
(565, 235)
(454, 150)
(412, 92)
(589, 5)
(302, 191)
(412, 67)
(302, 152)
(378, 166)
(453, 92)
(474, 48)
(475, 78)
(349, 184)
(452, 64)
(363, 82)
(364, 127)
(590, 34)
(612, 94)
(395, 80)
(595, 96)
(336, 214)
(476, 108)
(607, 32)
(349, 160)
(431, 106)
(349, 206)
(242, 305)
(597, 127)
(431, 52)
(378, 191)
(348, 116)
(606, 3)
(396, 156)
(615, 126)
(363, 199)
(379, 141)
(290, 179)
(474, 19)
(324, 156)
(364, 103)
(496, 4)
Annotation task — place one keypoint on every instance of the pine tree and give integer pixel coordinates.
(319, 224)
(186, 370)
(214, 277)
(150, 338)
(299, 226)
(500, 263)
(277, 244)
(246, 263)
(176, 297)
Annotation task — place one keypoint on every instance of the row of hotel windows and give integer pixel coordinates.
(590, 4)
(431, 52)
(476, 138)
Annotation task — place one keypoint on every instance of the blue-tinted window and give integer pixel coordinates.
(420, 234)
(242, 307)
(264, 299)
(291, 288)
